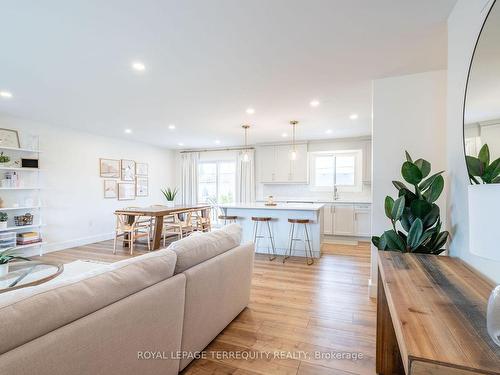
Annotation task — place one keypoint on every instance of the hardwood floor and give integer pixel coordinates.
(296, 312)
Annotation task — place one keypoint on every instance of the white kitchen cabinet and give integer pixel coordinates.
(343, 219)
(267, 161)
(328, 219)
(300, 166)
(276, 167)
(362, 220)
(347, 219)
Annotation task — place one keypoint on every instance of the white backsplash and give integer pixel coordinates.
(303, 192)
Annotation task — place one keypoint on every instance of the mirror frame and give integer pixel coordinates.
(467, 87)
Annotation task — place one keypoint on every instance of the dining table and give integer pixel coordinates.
(159, 212)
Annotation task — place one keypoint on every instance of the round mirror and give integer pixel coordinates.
(482, 105)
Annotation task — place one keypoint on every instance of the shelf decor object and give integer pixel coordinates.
(484, 205)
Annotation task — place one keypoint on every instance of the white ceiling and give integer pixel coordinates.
(68, 63)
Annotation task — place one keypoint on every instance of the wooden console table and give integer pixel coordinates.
(431, 317)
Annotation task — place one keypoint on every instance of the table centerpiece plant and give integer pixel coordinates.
(414, 215)
(170, 195)
(6, 256)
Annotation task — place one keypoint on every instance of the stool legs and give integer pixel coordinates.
(256, 236)
(307, 245)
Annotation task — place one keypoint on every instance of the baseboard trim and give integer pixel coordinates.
(63, 245)
(282, 251)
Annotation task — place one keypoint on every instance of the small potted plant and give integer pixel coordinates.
(4, 158)
(7, 256)
(170, 196)
(3, 220)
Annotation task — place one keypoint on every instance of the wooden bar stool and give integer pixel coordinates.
(256, 234)
(228, 218)
(306, 240)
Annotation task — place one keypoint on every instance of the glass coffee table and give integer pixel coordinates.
(29, 273)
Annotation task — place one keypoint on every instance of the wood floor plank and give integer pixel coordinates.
(322, 308)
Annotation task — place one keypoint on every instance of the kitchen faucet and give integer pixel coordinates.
(335, 193)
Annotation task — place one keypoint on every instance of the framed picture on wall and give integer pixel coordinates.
(109, 168)
(141, 187)
(126, 191)
(128, 170)
(141, 169)
(110, 189)
(9, 138)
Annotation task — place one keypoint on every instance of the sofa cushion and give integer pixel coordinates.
(194, 250)
(26, 314)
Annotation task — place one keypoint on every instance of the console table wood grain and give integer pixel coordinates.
(431, 317)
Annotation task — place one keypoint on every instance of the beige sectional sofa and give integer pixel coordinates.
(143, 315)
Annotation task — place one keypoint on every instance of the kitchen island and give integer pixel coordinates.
(280, 227)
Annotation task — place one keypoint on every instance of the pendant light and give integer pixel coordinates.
(246, 157)
(293, 151)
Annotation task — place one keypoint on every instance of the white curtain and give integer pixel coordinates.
(245, 177)
(189, 178)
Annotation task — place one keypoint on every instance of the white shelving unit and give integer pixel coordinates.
(19, 195)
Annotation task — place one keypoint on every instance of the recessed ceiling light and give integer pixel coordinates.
(128, 131)
(217, 142)
(329, 131)
(284, 135)
(180, 144)
(171, 127)
(354, 116)
(6, 94)
(314, 103)
(139, 66)
(250, 111)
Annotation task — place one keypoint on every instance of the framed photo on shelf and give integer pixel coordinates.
(141, 169)
(126, 191)
(110, 189)
(9, 138)
(109, 168)
(128, 170)
(141, 187)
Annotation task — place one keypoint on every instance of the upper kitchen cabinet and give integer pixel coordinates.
(275, 165)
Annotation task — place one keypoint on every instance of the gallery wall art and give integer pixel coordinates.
(124, 179)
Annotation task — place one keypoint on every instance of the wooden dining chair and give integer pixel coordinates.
(179, 226)
(130, 231)
(202, 220)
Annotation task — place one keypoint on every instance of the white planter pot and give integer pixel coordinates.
(3, 224)
(170, 204)
(4, 269)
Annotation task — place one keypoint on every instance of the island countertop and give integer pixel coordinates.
(279, 206)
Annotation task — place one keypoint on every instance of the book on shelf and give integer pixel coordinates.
(27, 238)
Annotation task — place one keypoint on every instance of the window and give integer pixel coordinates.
(216, 181)
(340, 168)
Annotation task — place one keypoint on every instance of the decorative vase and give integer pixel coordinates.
(170, 204)
(493, 315)
(3, 224)
(4, 269)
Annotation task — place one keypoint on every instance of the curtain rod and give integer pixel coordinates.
(219, 149)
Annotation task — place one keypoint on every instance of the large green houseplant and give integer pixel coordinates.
(414, 215)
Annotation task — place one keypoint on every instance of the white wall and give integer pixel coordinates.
(409, 113)
(76, 212)
(464, 25)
